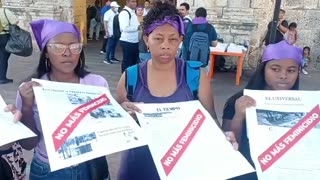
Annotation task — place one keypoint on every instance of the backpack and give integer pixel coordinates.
(98, 15)
(20, 40)
(192, 70)
(199, 45)
(116, 25)
(91, 12)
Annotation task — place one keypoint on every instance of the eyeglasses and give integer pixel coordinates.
(60, 49)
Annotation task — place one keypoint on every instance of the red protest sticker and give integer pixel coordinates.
(175, 152)
(69, 124)
(287, 141)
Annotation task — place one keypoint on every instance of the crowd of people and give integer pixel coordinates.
(166, 34)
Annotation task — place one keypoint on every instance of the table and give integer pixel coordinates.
(240, 56)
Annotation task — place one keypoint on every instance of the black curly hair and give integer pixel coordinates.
(159, 11)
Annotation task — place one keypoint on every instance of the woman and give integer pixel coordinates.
(12, 163)
(62, 59)
(279, 71)
(139, 12)
(162, 79)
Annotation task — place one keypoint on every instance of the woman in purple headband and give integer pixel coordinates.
(162, 79)
(62, 59)
(279, 70)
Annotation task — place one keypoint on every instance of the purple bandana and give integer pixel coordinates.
(282, 50)
(44, 30)
(175, 21)
(199, 20)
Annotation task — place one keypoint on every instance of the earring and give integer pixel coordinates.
(47, 64)
(148, 48)
(81, 63)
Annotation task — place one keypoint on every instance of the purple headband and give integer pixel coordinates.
(175, 21)
(282, 50)
(44, 30)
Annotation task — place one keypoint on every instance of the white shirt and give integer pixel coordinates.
(108, 17)
(129, 27)
(145, 11)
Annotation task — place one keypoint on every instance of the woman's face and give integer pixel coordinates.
(139, 11)
(163, 43)
(281, 74)
(64, 52)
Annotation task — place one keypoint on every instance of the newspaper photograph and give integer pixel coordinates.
(11, 131)
(81, 122)
(283, 131)
(184, 138)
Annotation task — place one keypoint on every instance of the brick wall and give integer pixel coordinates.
(238, 20)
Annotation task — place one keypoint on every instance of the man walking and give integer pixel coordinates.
(108, 25)
(129, 41)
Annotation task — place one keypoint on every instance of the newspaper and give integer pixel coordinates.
(186, 143)
(283, 131)
(11, 131)
(81, 122)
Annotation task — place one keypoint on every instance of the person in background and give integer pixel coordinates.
(105, 39)
(62, 59)
(112, 42)
(129, 40)
(292, 34)
(6, 16)
(184, 12)
(12, 163)
(279, 70)
(199, 24)
(282, 28)
(160, 80)
(306, 59)
(144, 53)
(95, 23)
(147, 7)
(139, 12)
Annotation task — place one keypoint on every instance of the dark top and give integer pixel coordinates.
(244, 149)
(279, 34)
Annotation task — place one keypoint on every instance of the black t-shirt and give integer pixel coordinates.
(279, 34)
(244, 149)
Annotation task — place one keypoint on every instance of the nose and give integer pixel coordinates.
(67, 52)
(165, 44)
(283, 74)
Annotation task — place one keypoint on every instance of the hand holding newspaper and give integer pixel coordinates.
(81, 122)
(283, 131)
(11, 131)
(186, 143)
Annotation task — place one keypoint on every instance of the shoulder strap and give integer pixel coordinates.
(193, 72)
(5, 14)
(128, 13)
(132, 76)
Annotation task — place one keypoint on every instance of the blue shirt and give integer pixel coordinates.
(104, 10)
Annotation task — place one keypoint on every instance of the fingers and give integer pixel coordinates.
(10, 108)
(247, 101)
(232, 139)
(130, 107)
(17, 114)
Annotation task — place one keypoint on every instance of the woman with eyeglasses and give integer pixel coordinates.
(62, 60)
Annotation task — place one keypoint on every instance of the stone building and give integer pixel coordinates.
(235, 20)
